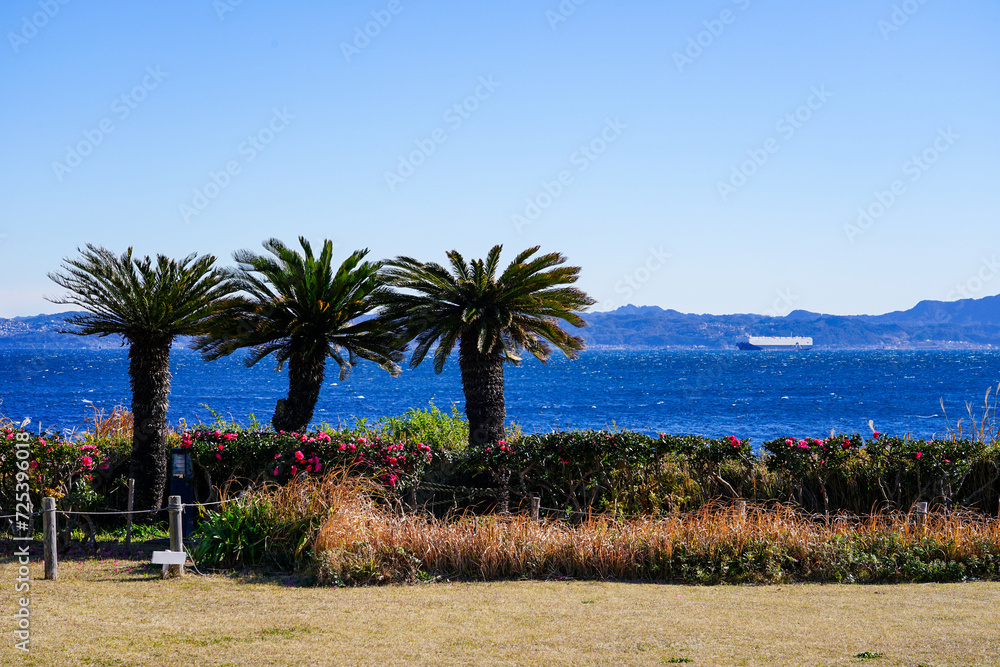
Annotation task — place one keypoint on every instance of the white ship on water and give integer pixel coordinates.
(775, 343)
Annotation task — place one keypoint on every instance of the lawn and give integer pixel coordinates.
(119, 612)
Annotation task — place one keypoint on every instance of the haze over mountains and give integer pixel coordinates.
(964, 324)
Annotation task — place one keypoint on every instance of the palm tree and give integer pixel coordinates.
(491, 319)
(148, 304)
(297, 308)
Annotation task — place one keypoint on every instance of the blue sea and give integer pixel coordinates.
(760, 395)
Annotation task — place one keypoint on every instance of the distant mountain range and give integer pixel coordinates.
(965, 324)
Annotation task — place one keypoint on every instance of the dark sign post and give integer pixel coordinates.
(181, 475)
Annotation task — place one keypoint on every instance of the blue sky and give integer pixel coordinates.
(711, 157)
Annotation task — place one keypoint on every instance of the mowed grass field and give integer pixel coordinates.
(119, 612)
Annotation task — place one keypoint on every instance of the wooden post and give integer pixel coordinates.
(536, 502)
(128, 525)
(176, 531)
(51, 553)
(921, 510)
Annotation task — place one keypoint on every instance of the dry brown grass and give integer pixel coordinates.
(361, 542)
(101, 613)
(118, 424)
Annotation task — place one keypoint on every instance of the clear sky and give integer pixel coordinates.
(708, 156)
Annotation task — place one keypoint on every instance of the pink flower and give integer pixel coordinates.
(33, 464)
(276, 472)
(218, 456)
(217, 433)
(318, 467)
(294, 470)
(919, 454)
(221, 446)
(87, 462)
(299, 456)
(277, 456)
(876, 435)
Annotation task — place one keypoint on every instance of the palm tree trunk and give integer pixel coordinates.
(482, 381)
(305, 379)
(149, 374)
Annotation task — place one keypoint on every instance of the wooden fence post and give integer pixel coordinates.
(128, 525)
(51, 553)
(536, 502)
(176, 531)
(921, 510)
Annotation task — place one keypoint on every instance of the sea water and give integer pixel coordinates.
(760, 395)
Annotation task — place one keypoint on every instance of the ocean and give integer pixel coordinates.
(760, 395)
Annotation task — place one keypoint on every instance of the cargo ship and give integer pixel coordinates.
(775, 343)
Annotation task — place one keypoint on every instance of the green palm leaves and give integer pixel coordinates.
(139, 297)
(504, 315)
(299, 308)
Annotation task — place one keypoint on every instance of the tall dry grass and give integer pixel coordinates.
(363, 542)
(116, 425)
